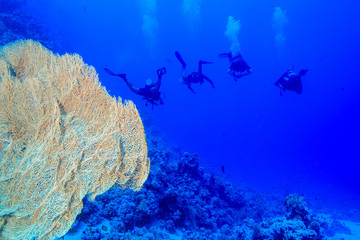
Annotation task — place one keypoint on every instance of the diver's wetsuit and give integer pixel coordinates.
(194, 77)
(150, 92)
(291, 81)
(238, 67)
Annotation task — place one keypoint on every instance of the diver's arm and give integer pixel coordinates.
(282, 77)
(158, 84)
(160, 72)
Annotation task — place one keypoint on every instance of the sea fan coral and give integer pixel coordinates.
(62, 137)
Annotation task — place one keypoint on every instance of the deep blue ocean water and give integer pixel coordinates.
(306, 143)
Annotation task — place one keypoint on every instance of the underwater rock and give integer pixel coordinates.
(298, 223)
(296, 207)
(16, 24)
(178, 202)
(11, 5)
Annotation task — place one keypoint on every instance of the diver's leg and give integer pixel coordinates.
(209, 80)
(200, 66)
(237, 75)
(183, 72)
(298, 86)
(235, 78)
(241, 74)
(132, 88)
(189, 86)
(181, 60)
(183, 64)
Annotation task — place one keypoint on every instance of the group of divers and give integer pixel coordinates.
(238, 68)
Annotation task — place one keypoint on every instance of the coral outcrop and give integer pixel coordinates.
(182, 200)
(18, 23)
(62, 138)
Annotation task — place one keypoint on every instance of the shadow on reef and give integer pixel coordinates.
(181, 201)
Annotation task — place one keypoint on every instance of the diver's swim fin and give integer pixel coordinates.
(181, 60)
(122, 75)
(225, 55)
(109, 72)
(303, 72)
(299, 88)
(204, 62)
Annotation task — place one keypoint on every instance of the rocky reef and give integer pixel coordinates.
(180, 200)
(16, 23)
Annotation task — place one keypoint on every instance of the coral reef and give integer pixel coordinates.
(180, 200)
(297, 223)
(62, 138)
(11, 5)
(16, 24)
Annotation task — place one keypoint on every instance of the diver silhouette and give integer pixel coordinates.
(194, 77)
(150, 92)
(238, 67)
(291, 81)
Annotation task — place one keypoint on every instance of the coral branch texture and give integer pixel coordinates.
(62, 137)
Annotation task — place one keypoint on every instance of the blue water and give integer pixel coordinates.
(306, 143)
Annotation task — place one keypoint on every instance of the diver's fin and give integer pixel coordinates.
(181, 60)
(303, 72)
(122, 75)
(298, 87)
(204, 62)
(225, 55)
(109, 72)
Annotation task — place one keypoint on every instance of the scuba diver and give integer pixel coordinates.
(150, 92)
(291, 81)
(194, 77)
(238, 67)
